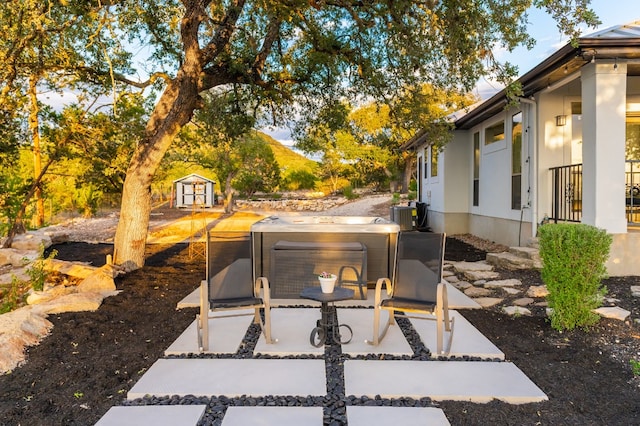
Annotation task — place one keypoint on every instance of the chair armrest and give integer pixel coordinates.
(263, 283)
(442, 296)
(378, 293)
(204, 298)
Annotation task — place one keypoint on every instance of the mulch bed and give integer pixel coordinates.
(91, 359)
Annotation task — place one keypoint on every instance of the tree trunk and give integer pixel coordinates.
(228, 192)
(409, 163)
(34, 128)
(173, 110)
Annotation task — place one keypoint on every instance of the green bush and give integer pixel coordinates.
(573, 258)
(349, 193)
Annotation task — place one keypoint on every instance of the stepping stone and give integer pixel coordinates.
(478, 292)
(225, 334)
(405, 416)
(273, 416)
(232, 377)
(474, 381)
(487, 302)
(538, 291)
(467, 340)
(157, 415)
(503, 283)
(292, 327)
(516, 310)
(361, 322)
(613, 312)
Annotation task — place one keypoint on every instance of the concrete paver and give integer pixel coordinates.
(467, 340)
(475, 381)
(405, 416)
(156, 415)
(292, 327)
(232, 377)
(225, 334)
(273, 416)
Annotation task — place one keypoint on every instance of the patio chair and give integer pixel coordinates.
(232, 289)
(417, 287)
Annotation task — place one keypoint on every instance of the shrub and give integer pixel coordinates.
(349, 193)
(573, 258)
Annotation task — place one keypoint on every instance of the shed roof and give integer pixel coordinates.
(193, 177)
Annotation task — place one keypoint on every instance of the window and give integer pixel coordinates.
(476, 168)
(494, 133)
(632, 151)
(434, 161)
(426, 166)
(516, 161)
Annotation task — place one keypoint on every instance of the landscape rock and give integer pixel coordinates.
(503, 283)
(452, 279)
(461, 285)
(17, 258)
(18, 329)
(100, 280)
(510, 261)
(19, 273)
(487, 302)
(613, 312)
(525, 301)
(477, 292)
(74, 302)
(73, 269)
(31, 241)
(538, 291)
(481, 275)
(38, 297)
(510, 290)
(635, 290)
(463, 267)
(516, 310)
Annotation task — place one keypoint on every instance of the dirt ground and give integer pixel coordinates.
(91, 359)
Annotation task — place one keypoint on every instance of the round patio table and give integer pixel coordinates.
(327, 321)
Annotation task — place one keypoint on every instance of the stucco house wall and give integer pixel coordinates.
(574, 110)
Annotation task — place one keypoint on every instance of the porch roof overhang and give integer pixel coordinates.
(616, 43)
(565, 61)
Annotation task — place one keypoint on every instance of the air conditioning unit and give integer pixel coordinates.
(403, 216)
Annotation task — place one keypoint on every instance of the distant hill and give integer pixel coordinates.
(287, 157)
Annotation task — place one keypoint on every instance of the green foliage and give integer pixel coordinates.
(12, 187)
(294, 180)
(87, 200)
(13, 297)
(395, 198)
(349, 193)
(635, 367)
(573, 258)
(37, 272)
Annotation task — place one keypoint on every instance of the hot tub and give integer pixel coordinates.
(379, 235)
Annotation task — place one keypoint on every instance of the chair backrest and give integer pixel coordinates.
(419, 266)
(235, 280)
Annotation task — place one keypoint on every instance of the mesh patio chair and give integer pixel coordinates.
(417, 286)
(232, 289)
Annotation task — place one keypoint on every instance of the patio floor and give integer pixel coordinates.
(269, 374)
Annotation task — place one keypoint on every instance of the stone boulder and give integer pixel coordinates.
(100, 280)
(17, 258)
(18, 329)
(31, 241)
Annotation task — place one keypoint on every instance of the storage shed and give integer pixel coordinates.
(193, 190)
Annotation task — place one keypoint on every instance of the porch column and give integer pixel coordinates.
(604, 88)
